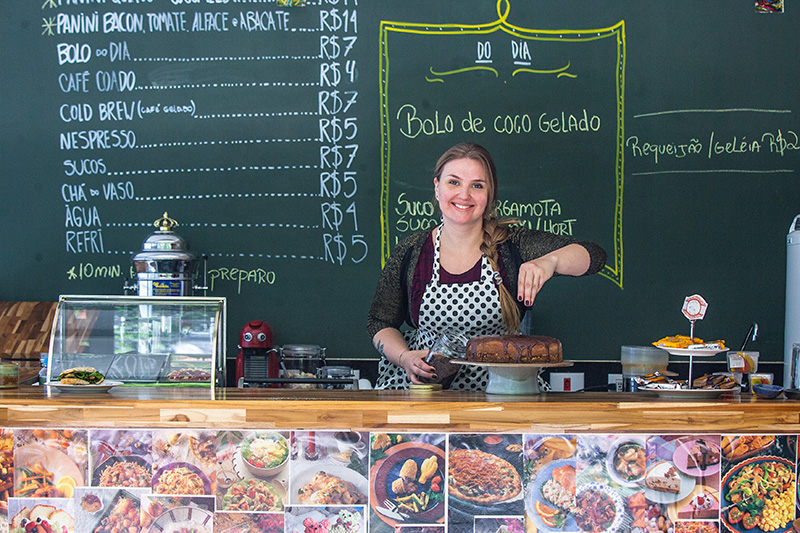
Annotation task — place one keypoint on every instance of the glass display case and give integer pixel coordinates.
(144, 340)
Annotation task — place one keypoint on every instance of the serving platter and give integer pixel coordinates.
(698, 352)
(304, 476)
(386, 470)
(112, 514)
(130, 461)
(105, 386)
(190, 470)
(737, 526)
(184, 518)
(534, 495)
(686, 393)
(614, 496)
(55, 461)
(739, 447)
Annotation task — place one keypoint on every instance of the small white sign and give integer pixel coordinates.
(694, 307)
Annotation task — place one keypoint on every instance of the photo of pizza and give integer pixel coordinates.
(481, 478)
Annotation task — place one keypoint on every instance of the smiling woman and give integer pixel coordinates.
(473, 273)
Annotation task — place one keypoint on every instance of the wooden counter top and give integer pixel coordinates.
(584, 412)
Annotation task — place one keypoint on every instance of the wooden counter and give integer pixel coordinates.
(452, 411)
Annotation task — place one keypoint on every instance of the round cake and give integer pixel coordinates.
(514, 349)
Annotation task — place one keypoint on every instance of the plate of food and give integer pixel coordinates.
(189, 375)
(332, 484)
(695, 394)
(43, 517)
(664, 483)
(184, 518)
(82, 379)
(694, 352)
(736, 448)
(412, 478)
(550, 499)
(480, 482)
(105, 386)
(123, 471)
(204, 447)
(701, 503)
(598, 508)
(254, 495)
(180, 478)
(91, 503)
(688, 346)
(120, 514)
(767, 478)
(626, 461)
(41, 471)
(697, 457)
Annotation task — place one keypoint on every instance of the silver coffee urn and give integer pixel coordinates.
(165, 266)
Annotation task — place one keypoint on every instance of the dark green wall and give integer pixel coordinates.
(298, 144)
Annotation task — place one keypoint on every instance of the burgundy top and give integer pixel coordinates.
(424, 273)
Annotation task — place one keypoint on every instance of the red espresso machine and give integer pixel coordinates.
(257, 359)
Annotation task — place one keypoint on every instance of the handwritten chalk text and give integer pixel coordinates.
(257, 276)
(412, 123)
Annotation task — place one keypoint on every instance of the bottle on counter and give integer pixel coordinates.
(43, 372)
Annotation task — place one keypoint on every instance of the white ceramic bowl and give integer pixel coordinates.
(252, 464)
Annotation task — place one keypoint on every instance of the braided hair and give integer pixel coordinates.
(495, 231)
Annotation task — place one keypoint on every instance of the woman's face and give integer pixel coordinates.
(463, 191)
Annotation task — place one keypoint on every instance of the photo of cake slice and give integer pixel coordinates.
(703, 504)
(663, 478)
(702, 454)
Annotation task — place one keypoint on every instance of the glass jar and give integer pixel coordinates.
(451, 345)
(301, 361)
(9, 375)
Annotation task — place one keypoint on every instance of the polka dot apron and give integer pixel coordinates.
(473, 308)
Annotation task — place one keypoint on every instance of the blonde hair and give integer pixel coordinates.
(495, 231)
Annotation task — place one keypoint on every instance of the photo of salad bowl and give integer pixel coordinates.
(265, 454)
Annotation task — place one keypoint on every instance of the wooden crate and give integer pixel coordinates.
(25, 329)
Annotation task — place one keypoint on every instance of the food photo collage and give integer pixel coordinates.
(273, 481)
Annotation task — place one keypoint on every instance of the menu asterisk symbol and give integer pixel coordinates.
(48, 26)
(49, 3)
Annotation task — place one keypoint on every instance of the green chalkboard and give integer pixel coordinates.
(295, 144)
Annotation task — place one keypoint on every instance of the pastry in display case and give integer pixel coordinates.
(156, 340)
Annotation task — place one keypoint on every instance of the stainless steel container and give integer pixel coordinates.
(165, 266)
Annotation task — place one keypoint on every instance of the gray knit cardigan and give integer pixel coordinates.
(391, 304)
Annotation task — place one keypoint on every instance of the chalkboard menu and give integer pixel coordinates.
(294, 143)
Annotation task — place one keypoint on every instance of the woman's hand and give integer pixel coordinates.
(390, 344)
(413, 362)
(571, 260)
(532, 276)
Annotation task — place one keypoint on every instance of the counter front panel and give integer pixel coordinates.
(346, 461)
